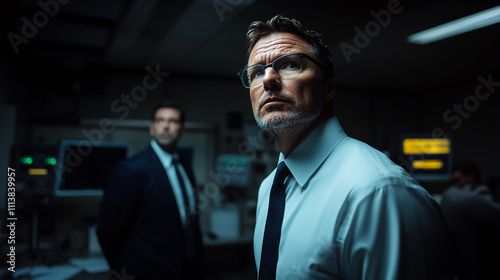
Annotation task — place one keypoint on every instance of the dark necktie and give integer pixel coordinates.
(272, 232)
(185, 197)
(190, 229)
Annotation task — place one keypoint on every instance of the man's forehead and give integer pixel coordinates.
(277, 44)
(167, 111)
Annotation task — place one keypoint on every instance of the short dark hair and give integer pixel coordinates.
(170, 104)
(282, 24)
(467, 168)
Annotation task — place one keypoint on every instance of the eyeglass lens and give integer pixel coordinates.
(285, 66)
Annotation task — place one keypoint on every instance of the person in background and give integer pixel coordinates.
(334, 208)
(473, 217)
(148, 225)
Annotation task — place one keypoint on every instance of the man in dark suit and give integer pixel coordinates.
(148, 225)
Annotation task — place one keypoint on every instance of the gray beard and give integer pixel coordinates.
(279, 125)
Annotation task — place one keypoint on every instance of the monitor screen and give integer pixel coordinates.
(427, 158)
(83, 167)
(236, 168)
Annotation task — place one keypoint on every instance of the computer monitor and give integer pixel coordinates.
(236, 168)
(427, 158)
(83, 167)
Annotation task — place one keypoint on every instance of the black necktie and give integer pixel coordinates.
(272, 232)
(190, 229)
(187, 207)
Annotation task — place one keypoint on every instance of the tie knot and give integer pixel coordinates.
(281, 172)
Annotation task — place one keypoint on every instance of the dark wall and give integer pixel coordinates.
(472, 120)
(66, 96)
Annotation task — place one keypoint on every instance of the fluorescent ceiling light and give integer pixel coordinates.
(459, 26)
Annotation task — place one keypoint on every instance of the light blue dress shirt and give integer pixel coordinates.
(166, 160)
(351, 213)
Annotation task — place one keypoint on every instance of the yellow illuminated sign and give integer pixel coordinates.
(419, 146)
(429, 164)
(38, 171)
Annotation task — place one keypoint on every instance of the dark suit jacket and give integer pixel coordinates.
(139, 228)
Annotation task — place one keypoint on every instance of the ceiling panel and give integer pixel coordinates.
(205, 37)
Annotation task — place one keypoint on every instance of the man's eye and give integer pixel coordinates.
(291, 65)
(255, 73)
(259, 73)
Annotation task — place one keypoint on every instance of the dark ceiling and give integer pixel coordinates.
(207, 38)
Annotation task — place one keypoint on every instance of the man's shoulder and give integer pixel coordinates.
(365, 168)
(361, 158)
(139, 160)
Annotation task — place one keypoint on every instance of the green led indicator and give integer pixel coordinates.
(26, 160)
(50, 161)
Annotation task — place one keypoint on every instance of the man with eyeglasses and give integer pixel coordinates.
(334, 208)
(148, 225)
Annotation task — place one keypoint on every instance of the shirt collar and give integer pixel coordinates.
(308, 156)
(165, 158)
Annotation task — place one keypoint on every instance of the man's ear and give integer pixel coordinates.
(151, 129)
(330, 88)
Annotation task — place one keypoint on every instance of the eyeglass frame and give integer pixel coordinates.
(301, 55)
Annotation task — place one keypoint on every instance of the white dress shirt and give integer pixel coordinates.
(351, 213)
(166, 160)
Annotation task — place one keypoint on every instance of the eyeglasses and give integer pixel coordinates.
(286, 66)
(169, 121)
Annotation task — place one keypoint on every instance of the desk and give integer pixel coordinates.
(76, 269)
(224, 258)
